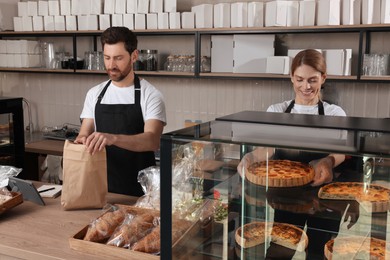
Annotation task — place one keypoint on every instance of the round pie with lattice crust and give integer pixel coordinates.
(280, 173)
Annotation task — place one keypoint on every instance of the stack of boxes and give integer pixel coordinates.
(72, 15)
(19, 54)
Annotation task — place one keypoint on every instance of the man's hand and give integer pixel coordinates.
(97, 141)
(323, 171)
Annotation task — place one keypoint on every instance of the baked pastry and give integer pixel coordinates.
(280, 173)
(132, 229)
(375, 199)
(151, 243)
(286, 235)
(103, 227)
(357, 248)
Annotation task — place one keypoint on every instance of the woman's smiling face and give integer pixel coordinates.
(307, 85)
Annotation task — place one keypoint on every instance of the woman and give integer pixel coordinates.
(308, 73)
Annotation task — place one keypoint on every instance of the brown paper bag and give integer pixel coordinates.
(84, 178)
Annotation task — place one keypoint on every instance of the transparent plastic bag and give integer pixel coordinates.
(6, 172)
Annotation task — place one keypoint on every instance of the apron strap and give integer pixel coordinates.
(321, 110)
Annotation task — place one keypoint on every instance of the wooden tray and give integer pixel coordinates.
(77, 243)
(17, 198)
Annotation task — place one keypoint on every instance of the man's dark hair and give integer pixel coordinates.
(117, 34)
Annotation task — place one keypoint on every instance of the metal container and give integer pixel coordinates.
(149, 59)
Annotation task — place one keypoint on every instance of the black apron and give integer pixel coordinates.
(300, 155)
(123, 165)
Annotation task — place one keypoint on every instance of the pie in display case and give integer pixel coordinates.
(245, 180)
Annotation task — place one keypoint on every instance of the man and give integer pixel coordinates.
(126, 115)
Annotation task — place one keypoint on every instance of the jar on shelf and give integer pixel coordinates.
(149, 59)
(205, 64)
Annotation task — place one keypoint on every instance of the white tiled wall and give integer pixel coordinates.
(58, 99)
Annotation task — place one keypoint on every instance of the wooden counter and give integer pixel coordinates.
(30, 231)
(46, 146)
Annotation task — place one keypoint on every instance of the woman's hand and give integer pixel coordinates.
(323, 171)
(245, 162)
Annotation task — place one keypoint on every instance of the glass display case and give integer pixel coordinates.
(244, 182)
(11, 131)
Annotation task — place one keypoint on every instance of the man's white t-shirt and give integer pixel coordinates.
(329, 109)
(152, 101)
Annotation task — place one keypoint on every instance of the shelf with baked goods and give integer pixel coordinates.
(267, 202)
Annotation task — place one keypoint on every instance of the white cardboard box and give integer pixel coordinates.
(275, 13)
(140, 21)
(22, 9)
(70, 23)
(131, 6)
(75, 8)
(307, 13)
(174, 20)
(278, 64)
(105, 21)
(27, 23)
(256, 14)
(87, 22)
(120, 6)
(170, 6)
(348, 62)
(32, 8)
(96, 7)
(128, 21)
(43, 8)
(251, 52)
(187, 20)
(3, 46)
(328, 12)
(222, 15)
(385, 11)
(109, 6)
(203, 15)
(65, 7)
(117, 19)
(151, 21)
(222, 53)
(3, 60)
(59, 23)
(371, 11)
(37, 23)
(239, 15)
(18, 24)
(282, 13)
(10, 46)
(54, 7)
(156, 6)
(143, 6)
(335, 60)
(351, 12)
(163, 21)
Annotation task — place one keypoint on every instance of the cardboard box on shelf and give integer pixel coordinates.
(239, 15)
(222, 53)
(278, 64)
(351, 12)
(128, 21)
(188, 20)
(256, 14)
(371, 11)
(203, 15)
(221, 15)
(328, 12)
(307, 13)
(163, 21)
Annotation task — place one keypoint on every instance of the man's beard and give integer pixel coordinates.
(119, 75)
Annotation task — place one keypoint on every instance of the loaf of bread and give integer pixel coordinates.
(132, 229)
(103, 227)
(151, 243)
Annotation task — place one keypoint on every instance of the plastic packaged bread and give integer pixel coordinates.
(103, 227)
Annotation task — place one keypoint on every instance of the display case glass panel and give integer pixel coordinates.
(245, 183)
